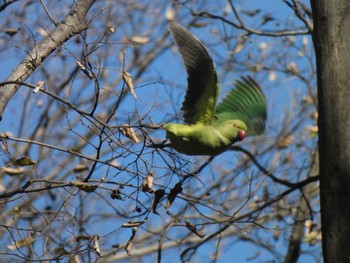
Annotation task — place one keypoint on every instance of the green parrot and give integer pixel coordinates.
(211, 129)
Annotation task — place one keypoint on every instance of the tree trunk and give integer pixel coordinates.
(302, 213)
(332, 46)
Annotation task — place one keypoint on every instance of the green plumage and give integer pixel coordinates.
(209, 130)
(247, 103)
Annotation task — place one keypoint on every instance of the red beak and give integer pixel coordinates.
(241, 135)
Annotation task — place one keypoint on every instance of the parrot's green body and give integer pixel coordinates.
(199, 139)
(211, 129)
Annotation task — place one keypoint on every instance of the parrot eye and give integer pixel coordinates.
(234, 125)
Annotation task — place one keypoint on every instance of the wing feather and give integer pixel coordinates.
(202, 91)
(246, 102)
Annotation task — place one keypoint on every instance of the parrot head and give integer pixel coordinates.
(233, 130)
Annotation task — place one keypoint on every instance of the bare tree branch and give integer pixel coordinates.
(72, 25)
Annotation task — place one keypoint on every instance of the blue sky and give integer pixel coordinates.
(163, 85)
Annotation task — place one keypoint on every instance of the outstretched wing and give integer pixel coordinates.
(247, 103)
(203, 87)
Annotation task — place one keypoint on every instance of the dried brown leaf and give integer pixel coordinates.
(173, 193)
(293, 68)
(157, 196)
(95, 246)
(134, 224)
(86, 187)
(128, 81)
(12, 171)
(309, 225)
(24, 161)
(313, 130)
(73, 259)
(256, 68)
(5, 146)
(276, 234)
(116, 195)
(193, 229)
(272, 76)
(312, 237)
(82, 238)
(308, 100)
(131, 241)
(170, 13)
(240, 44)
(147, 184)
(39, 85)
(59, 251)
(139, 40)
(81, 167)
(285, 141)
(84, 70)
(11, 31)
(129, 132)
(42, 32)
(22, 243)
(111, 29)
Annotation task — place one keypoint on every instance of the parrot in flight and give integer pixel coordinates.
(211, 129)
